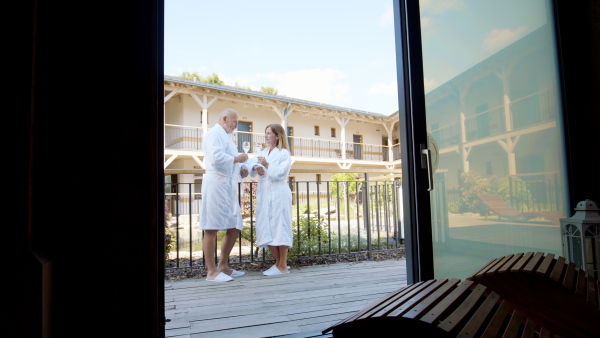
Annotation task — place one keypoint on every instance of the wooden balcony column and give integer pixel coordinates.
(504, 76)
(389, 127)
(343, 121)
(204, 104)
(284, 113)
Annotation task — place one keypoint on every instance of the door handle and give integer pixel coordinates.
(427, 154)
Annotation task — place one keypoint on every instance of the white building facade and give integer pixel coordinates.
(317, 133)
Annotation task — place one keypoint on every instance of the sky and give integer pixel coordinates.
(337, 52)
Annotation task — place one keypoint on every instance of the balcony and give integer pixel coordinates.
(355, 224)
(519, 116)
(190, 139)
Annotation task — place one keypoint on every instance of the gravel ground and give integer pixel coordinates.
(199, 272)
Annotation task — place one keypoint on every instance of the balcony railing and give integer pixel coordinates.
(190, 138)
(328, 218)
(183, 138)
(524, 112)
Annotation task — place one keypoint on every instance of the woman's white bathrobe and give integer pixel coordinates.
(220, 208)
(273, 199)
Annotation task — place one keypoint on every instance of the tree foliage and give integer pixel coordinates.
(507, 188)
(214, 78)
(269, 90)
(346, 183)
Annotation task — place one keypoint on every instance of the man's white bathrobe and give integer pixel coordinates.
(273, 199)
(220, 208)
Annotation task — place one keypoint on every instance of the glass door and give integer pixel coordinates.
(487, 138)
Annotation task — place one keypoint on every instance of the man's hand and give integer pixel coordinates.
(241, 158)
(244, 172)
(260, 170)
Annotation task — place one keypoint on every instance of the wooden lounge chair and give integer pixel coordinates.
(504, 210)
(522, 295)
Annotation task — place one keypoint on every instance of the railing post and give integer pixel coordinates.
(366, 214)
(190, 196)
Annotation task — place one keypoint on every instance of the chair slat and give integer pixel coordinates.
(379, 303)
(494, 269)
(410, 303)
(580, 283)
(514, 325)
(497, 321)
(545, 333)
(474, 324)
(432, 299)
(397, 301)
(558, 269)
(441, 308)
(450, 323)
(591, 290)
(510, 263)
(529, 329)
(544, 268)
(520, 264)
(533, 262)
(483, 268)
(569, 280)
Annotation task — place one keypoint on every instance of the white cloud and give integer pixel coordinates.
(427, 24)
(499, 38)
(387, 18)
(439, 6)
(384, 89)
(430, 85)
(375, 64)
(319, 85)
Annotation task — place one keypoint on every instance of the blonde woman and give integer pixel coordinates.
(274, 198)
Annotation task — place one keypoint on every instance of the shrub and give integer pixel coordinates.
(168, 233)
(310, 236)
(474, 184)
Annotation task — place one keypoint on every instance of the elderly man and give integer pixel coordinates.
(220, 209)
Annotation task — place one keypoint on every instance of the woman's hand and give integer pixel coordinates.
(263, 160)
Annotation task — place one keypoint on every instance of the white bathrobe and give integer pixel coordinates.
(273, 199)
(220, 208)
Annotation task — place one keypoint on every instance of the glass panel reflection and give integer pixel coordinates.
(493, 109)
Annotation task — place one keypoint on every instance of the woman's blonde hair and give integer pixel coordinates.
(278, 130)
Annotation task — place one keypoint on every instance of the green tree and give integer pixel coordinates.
(345, 182)
(191, 76)
(243, 87)
(213, 78)
(269, 90)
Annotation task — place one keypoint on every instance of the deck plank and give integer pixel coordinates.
(307, 300)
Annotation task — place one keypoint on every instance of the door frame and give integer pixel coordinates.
(413, 138)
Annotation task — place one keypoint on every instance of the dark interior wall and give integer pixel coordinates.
(579, 39)
(85, 147)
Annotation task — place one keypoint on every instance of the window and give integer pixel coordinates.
(317, 131)
(332, 132)
(319, 178)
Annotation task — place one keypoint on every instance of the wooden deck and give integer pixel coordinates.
(301, 304)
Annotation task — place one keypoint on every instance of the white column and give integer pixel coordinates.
(389, 127)
(343, 121)
(204, 103)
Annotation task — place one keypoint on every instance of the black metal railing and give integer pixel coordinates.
(329, 218)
